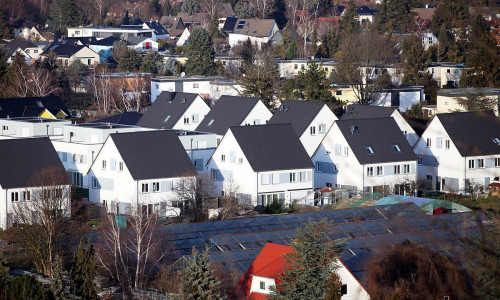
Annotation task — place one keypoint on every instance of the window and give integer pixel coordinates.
(196, 85)
(214, 174)
(396, 148)
(27, 195)
(447, 144)
(448, 71)
(322, 128)
(74, 158)
(35, 51)
(496, 141)
(240, 160)
(380, 171)
(223, 157)
(338, 93)
(419, 160)
(346, 151)
(480, 163)
(497, 162)
(14, 196)
(120, 166)
(397, 169)
(472, 164)
(77, 178)
(211, 122)
(95, 183)
(262, 285)
(406, 169)
(369, 149)
(166, 119)
(312, 130)
(328, 184)
(293, 177)
(429, 142)
(319, 168)
(428, 177)
(369, 171)
(156, 186)
(343, 289)
(303, 176)
(103, 165)
(295, 66)
(186, 120)
(145, 187)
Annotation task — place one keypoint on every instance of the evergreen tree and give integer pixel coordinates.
(50, 61)
(4, 66)
(349, 23)
(126, 19)
(214, 27)
(451, 14)
(58, 287)
(156, 5)
(312, 85)
(200, 53)
(307, 269)
(168, 10)
(248, 52)
(291, 50)
(189, 7)
(483, 57)
(394, 16)
(130, 61)
(170, 67)
(83, 271)
(199, 281)
(4, 27)
(415, 60)
(151, 63)
(63, 14)
(27, 287)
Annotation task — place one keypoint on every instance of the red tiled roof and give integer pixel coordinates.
(269, 263)
(495, 184)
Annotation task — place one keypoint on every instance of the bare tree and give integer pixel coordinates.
(192, 190)
(292, 6)
(20, 80)
(41, 82)
(102, 91)
(307, 20)
(43, 217)
(210, 6)
(363, 58)
(261, 7)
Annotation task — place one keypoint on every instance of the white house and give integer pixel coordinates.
(290, 68)
(67, 54)
(459, 151)
(263, 163)
(20, 160)
(446, 74)
(27, 49)
(173, 110)
(358, 111)
(100, 32)
(79, 145)
(140, 169)
(259, 31)
(403, 97)
(370, 155)
(428, 39)
(142, 44)
(447, 98)
(183, 39)
(310, 120)
(32, 127)
(210, 87)
(231, 111)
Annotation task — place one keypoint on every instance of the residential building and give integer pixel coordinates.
(121, 180)
(310, 120)
(358, 111)
(199, 146)
(20, 161)
(460, 151)
(447, 99)
(29, 50)
(100, 32)
(446, 74)
(175, 110)
(104, 47)
(259, 31)
(66, 54)
(369, 155)
(263, 164)
(231, 111)
(43, 107)
(142, 44)
(290, 68)
(79, 145)
(32, 127)
(366, 14)
(428, 40)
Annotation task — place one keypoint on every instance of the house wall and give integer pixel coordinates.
(18, 128)
(141, 47)
(199, 108)
(104, 52)
(235, 39)
(259, 115)
(323, 119)
(406, 99)
(86, 56)
(336, 164)
(183, 38)
(410, 134)
(446, 104)
(255, 286)
(428, 40)
(355, 290)
(448, 164)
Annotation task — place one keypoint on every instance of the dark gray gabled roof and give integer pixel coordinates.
(228, 111)
(158, 28)
(299, 113)
(472, 132)
(21, 159)
(63, 50)
(358, 111)
(125, 118)
(153, 154)
(30, 107)
(172, 104)
(109, 41)
(272, 147)
(381, 134)
(13, 45)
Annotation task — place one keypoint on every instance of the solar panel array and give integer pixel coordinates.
(236, 243)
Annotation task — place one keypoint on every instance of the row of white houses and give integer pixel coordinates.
(239, 147)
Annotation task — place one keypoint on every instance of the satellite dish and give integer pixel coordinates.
(183, 74)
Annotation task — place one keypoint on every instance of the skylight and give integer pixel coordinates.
(496, 141)
(211, 122)
(396, 148)
(241, 23)
(167, 118)
(369, 149)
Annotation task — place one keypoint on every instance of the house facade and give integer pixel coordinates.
(121, 180)
(259, 31)
(263, 164)
(356, 157)
(460, 151)
(447, 99)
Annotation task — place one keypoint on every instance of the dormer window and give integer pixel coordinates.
(167, 118)
(396, 148)
(496, 141)
(369, 149)
(211, 122)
